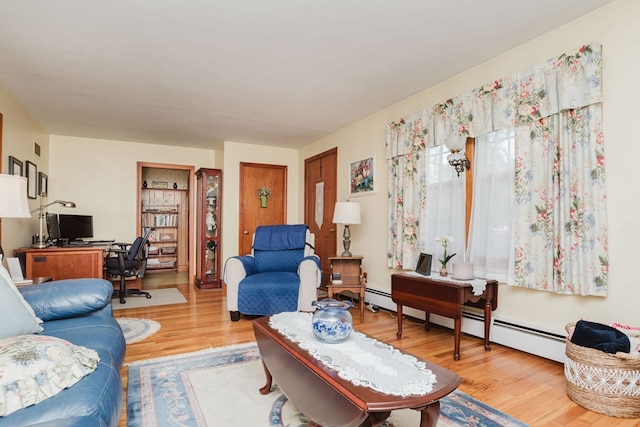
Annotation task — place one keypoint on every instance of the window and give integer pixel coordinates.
(478, 209)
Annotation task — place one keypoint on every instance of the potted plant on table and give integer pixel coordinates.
(444, 241)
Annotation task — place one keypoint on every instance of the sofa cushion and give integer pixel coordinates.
(36, 367)
(16, 315)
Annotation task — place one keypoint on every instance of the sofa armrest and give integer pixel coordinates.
(67, 298)
(235, 269)
(310, 278)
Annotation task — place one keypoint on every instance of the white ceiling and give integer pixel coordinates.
(277, 72)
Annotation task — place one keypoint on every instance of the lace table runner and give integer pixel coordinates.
(360, 360)
(478, 285)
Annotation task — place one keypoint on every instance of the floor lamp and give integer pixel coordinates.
(13, 198)
(346, 213)
(41, 243)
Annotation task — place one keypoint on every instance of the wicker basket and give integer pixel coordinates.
(603, 382)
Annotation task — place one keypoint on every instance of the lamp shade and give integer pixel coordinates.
(346, 213)
(13, 197)
(455, 142)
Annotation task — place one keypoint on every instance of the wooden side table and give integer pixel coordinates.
(347, 275)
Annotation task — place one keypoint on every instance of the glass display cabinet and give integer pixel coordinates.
(208, 228)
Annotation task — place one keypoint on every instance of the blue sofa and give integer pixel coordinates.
(79, 311)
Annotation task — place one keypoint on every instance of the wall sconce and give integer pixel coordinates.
(41, 244)
(457, 158)
(346, 213)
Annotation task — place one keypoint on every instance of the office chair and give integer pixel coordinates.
(131, 262)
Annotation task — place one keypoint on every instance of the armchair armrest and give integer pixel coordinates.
(310, 278)
(235, 269)
(67, 298)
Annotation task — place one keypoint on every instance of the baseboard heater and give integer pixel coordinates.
(547, 344)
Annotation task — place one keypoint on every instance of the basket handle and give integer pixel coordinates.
(569, 327)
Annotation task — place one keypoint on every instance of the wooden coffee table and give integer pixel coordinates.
(325, 398)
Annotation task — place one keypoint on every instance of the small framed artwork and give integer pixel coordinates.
(32, 180)
(423, 266)
(15, 166)
(43, 184)
(362, 177)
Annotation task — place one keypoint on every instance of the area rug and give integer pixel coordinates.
(158, 297)
(219, 388)
(135, 329)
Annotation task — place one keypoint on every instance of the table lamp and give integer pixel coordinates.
(13, 198)
(41, 244)
(346, 213)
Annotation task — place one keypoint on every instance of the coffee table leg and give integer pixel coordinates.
(399, 313)
(429, 415)
(267, 388)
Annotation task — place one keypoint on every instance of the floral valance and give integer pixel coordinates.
(569, 81)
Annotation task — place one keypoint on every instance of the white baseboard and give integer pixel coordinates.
(520, 337)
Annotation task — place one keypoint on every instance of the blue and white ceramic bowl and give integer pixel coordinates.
(332, 322)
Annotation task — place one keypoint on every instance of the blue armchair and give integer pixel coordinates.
(281, 274)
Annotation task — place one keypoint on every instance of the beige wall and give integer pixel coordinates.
(20, 130)
(100, 176)
(616, 27)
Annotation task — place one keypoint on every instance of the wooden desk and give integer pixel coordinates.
(63, 263)
(443, 298)
(325, 398)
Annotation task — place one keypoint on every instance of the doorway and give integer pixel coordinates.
(255, 176)
(164, 201)
(320, 195)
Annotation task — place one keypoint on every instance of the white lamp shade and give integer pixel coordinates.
(13, 197)
(455, 142)
(346, 213)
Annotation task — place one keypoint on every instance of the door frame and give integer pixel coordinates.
(191, 204)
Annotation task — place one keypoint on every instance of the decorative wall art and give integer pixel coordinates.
(361, 177)
(32, 177)
(15, 166)
(43, 184)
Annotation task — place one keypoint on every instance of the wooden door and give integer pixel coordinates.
(252, 177)
(320, 173)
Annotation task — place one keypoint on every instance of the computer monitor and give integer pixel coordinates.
(53, 229)
(75, 227)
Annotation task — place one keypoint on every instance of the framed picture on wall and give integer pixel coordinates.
(15, 166)
(362, 177)
(43, 184)
(32, 180)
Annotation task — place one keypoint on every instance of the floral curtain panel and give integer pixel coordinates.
(560, 190)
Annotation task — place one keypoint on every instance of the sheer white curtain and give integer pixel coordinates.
(491, 230)
(445, 206)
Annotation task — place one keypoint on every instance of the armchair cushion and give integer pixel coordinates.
(279, 247)
(268, 293)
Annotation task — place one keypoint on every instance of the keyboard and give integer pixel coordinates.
(91, 242)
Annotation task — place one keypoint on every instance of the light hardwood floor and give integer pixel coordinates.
(529, 388)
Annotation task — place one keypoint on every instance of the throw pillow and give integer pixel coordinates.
(16, 315)
(36, 367)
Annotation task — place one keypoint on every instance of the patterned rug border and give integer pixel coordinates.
(457, 409)
(209, 350)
